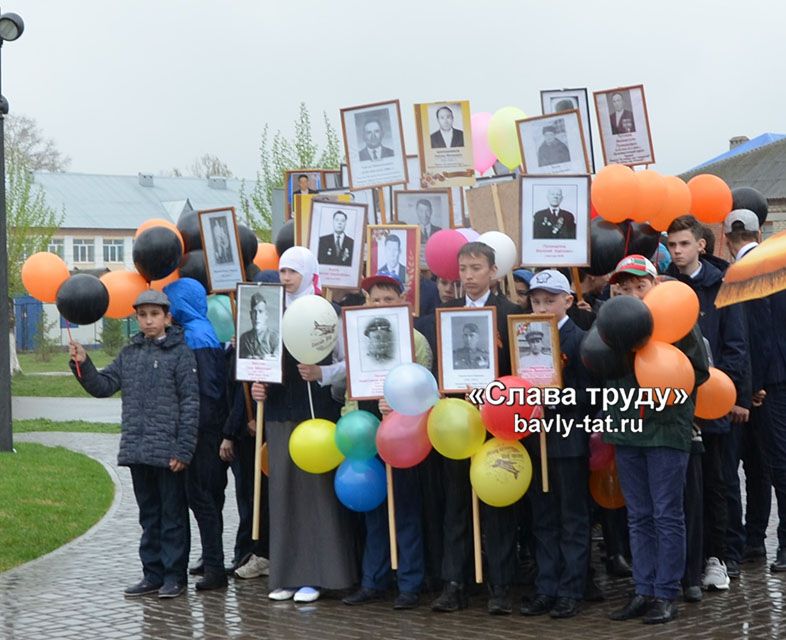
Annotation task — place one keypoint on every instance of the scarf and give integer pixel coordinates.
(303, 261)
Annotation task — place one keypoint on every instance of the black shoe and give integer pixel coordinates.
(692, 594)
(499, 600)
(565, 608)
(732, 568)
(592, 592)
(618, 567)
(406, 600)
(780, 561)
(452, 598)
(142, 588)
(750, 554)
(172, 590)
(363, 596)
(660, 611)
(538, 606)
(637, 606)
(197, 569)
(214, 579)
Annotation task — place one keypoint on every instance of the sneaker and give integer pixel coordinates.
(715, 576)
(255, 567)
(281, 594)
(141, 588)
(307, 594)
(172, 590)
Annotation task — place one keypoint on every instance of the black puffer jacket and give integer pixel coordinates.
(160, 398)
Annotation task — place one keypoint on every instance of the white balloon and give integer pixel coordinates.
(504, 250)
(310, 329)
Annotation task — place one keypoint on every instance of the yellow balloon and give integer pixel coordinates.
(455, 428)
(312, 446)
(503, 137)
(501, 472)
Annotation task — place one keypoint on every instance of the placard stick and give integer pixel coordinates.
(328, 294)
(258, 471)
(381, 200)
(574, 271)
(391, 518)
(544, 463)
(501, 227)
(476, 538)
(310, 400)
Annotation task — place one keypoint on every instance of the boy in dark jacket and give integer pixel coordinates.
(158, 376)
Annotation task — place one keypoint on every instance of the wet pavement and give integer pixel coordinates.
(76, 592)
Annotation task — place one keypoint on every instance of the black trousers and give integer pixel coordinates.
(433, 515)
(205, 489)
(163, 515)
(614, 523)
(243, 471)
(776, 447)
(716, 515)
(694, 522)
(758, 477)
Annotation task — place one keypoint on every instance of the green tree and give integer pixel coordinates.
(112, 336)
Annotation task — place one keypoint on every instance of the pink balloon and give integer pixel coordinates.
(470, 234)
(442, 253)
(481, 152)
(601, 454)
(402, 441)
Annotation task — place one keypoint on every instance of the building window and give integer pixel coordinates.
(57, 246)
(113, 250)
(84, 250)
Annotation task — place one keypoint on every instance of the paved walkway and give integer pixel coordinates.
(76, 592)
(88, 409)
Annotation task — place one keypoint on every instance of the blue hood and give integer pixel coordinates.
(188, 300)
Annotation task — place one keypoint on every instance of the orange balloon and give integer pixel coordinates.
(160, 222)
(614, 192)
(650, 195)
(662, 366)
(124, 287)
(605, 488)
(711, 198)
(675, 309)
(266, 257)
(265, 461)
(159, 285)
(716, 396)
(676, 203)
(42, 275)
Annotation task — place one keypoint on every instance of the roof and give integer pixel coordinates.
(93, 201)
(763, 168)
(745, 147)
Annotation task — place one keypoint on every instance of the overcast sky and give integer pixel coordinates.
(148, 85)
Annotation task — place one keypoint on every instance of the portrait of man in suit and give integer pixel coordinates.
(373, 133)
(554, 222)
(552, 150)
(303, 186)
(392, 254)
(619, 115)
(336, 248)
(471, 355)
(446, 137)
(260, 342)
(424, 211)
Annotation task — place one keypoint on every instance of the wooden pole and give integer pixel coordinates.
(501, 227)
(544, 462)
(476, 537)
(258, 471)
(381, 203)
(391, 518)
(574, 271)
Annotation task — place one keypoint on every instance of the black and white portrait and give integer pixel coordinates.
(259, 343)
(535, 353)
(552, 149)
(561, 100)
(222, 249)
(220, 233)
(620, 113)
(552, 144)
(554, 220)
(467, 349)
(431, 210)
(394, 250)
(624, 126)
(470, 343)
(373, 129)
(446, 126)
(337, 246)
(444, 144)
(336, 239)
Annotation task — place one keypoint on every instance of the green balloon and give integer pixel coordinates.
(356, 435)
(219, 312)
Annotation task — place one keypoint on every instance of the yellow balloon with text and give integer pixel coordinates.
(503, 137)
(501, 472)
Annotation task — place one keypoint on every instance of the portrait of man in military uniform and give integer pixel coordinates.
(380, 350)
(261, 340)
(472, 354)
(535, 360)
(554, 221)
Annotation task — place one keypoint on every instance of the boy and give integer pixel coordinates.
(725, 330)
(388, 290)
(560, 518)
(651, 465)
(157, 374)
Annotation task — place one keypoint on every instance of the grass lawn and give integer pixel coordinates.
(72, 426)
(59, 362)
(57, 386)
(48, 496)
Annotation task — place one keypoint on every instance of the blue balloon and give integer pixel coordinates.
(411, 389)
(356, 435)
(360, 484)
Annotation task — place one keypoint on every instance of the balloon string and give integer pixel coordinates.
(310, 400)
(76, 362)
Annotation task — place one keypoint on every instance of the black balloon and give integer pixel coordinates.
(248, 243)
(286, 237)
(193, 266)
(624, 323)
(251, 272)
(601, 360)
(607, 246)
(750, 198)
(82, 299)
(188, 225)
(157, 252)
(643, 239)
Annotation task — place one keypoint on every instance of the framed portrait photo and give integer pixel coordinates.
(376, 339)
(553, 144)
(336, 235)
(374, 145)
(221, 244)
(430, 209)
(301, 182)
(534, 349)
(555, 217)
(466, 348)
(260, 308)
(445, 143)
(624, 126)
(394, 250)
(560, 100)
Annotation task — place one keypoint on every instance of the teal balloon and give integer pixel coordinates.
(360, 485)
(356, 435)
(219, 312)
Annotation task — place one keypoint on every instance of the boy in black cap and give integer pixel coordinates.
(157, 374)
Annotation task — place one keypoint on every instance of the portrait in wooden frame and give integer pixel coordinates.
(624, 126)
(260, 352)
(222, 251)
(314, 183)
(559, 100)
(337, 238)
(534, 349)
(394, 249)
(444, 131)
(553, 144)
(466, 348)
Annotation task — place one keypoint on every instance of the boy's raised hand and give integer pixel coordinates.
(76, 352)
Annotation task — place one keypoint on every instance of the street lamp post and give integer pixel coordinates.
(11, 27)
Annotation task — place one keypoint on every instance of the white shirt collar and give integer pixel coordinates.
(562, 322)
(744, 250)
(695, 274)
(480, 302)
(447, 137)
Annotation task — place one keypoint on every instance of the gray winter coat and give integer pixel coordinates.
(160, 398)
